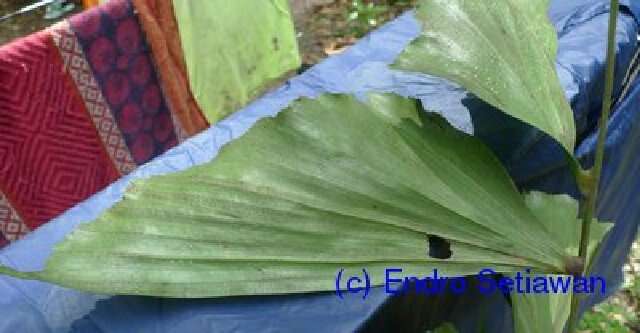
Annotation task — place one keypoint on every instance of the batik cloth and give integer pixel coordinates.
(92, 98)
(82, 104)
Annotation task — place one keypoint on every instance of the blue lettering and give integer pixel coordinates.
(594, 280)
(506, 285)
(351, 289)
(486, 283)
(540, 285)
(559, 284)
(458, 285)
(580, 285)
(388, 281)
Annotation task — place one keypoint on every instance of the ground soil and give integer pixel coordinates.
(21, 25)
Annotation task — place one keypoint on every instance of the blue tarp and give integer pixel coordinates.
(532, 159)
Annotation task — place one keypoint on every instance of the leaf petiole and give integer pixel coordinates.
(591, 190)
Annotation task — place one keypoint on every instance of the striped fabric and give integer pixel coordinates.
(90, 99)
(81, 104)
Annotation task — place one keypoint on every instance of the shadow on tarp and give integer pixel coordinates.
(297, 313)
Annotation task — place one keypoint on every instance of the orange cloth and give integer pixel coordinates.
(90, 3)
(158, 21)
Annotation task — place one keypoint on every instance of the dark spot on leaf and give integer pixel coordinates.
(276, 43)
(439, 247)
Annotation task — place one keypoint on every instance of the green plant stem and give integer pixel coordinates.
(591, 194)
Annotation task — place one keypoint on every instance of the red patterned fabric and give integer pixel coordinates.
(76, 64)
(52, 155)
(119, 55)
(80, 106)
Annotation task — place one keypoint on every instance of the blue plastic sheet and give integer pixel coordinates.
(533, 160)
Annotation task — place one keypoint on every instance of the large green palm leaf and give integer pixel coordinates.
(502, 51)
(328, 184)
